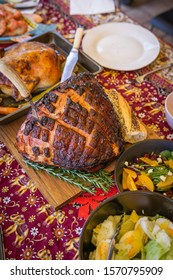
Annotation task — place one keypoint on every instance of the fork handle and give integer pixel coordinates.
(158, 69)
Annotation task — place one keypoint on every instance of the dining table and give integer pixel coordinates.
(42, 216)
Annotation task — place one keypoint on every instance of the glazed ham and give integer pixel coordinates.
(76, 128)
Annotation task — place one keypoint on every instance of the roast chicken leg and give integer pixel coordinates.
(37, 65)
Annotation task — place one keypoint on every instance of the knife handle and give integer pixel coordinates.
(78, 37)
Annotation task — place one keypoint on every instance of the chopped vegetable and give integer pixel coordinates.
(167, 183)
(124, 180)
(145, 181)
(169, 163)
(134, 217)
(102, 250)
(149, 161)
(130, 244)
(165, 154)
(7, 110)
(105, 230)
(130, 183)
(131, 172)
(165, 224)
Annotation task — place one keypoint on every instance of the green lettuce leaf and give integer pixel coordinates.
(169, 254)
(154, 251)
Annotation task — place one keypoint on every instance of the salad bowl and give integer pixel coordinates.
(142, 202)
(147, 149)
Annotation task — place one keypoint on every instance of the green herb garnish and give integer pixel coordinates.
(85, 181)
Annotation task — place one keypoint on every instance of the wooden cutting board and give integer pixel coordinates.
(56, 192)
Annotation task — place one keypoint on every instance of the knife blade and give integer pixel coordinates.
(72, 58)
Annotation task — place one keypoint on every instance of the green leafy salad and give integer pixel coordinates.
(139, 238)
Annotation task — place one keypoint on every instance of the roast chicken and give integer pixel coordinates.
(77, 127)
(37, 65)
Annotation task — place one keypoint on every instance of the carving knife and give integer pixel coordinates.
(72, 58)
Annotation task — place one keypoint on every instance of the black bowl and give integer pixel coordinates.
(138, 150)
(143, 202)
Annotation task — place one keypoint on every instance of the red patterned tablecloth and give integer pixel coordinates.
(32, 228)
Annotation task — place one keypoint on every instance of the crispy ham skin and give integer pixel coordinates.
(77, 127)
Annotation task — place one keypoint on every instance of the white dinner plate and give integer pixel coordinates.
(121, 46)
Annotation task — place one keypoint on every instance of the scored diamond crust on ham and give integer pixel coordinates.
(77, 127)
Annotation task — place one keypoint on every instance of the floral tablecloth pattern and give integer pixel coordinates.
(31, 227)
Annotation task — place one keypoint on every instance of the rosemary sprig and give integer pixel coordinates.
(85, 181)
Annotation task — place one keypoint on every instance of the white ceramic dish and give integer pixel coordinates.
(169, 109)
(121, 46)
(20, 4)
